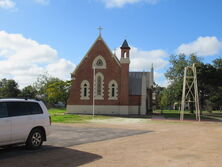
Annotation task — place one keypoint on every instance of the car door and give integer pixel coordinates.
(5, 125)
(21, 121)
(39, 118)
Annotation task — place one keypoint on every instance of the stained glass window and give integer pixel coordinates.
(99, 86)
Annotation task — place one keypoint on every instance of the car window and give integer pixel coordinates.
(34, 108)
(17, 109)
(3, 110)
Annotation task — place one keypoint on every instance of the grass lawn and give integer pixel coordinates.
(175, 114)
(60, 116)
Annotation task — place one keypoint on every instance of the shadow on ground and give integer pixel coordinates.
(47, 156)
(67, 136)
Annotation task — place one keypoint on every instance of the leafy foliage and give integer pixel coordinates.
(49, 89)
(28, 92)
(209, 81)
(175, 75)
(8, 88)
(58, 91)
(52, 90)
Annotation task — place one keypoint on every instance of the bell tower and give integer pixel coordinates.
(125, 61)
(125, 53)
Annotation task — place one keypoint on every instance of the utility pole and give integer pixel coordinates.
(94, 82)
(190, 91)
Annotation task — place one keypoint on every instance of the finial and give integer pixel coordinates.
(152, 68)
(100, 30)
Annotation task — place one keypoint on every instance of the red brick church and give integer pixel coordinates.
(117, 91)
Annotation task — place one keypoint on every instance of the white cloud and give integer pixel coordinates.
(203, 46)
(121, 3)
(7, 4)
(61, 69)
(160, 79)
(142, 60)
(43, 2)
(24, 60)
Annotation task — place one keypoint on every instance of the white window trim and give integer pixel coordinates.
(82, 97)
(99, 97)
(96, 59)
(110, 90)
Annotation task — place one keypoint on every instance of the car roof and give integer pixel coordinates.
(18, 100)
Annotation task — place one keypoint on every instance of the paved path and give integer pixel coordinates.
(66, 136)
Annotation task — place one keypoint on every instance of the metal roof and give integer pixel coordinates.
(125, 45)
(135, 82)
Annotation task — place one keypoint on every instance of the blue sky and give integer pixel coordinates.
(65, 29)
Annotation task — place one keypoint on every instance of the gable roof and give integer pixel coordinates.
(98, 38)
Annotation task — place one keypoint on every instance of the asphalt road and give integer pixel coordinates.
(66, 136)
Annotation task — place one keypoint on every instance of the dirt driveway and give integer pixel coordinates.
(170, 144)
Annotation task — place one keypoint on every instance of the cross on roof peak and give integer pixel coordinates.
(100, 30)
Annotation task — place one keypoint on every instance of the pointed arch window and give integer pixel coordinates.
(113, 90)
(99, 62)
(99, 86)
(84, 90)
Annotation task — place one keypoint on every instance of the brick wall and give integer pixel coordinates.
(85, 72)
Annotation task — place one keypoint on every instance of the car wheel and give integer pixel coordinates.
(35, 139)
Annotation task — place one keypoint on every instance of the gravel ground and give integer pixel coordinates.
(171, 144)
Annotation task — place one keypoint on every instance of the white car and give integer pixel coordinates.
(23, 121)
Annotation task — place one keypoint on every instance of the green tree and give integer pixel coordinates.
(58, 91)
(164, 100)
(175, 75)
(9, 88)
(42, 83)
(51, 89)
(158, 93)
(209, 81)
(217, 63)
(28, 92)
